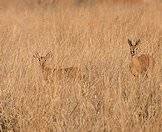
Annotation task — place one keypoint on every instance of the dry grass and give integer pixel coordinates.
(94, 38)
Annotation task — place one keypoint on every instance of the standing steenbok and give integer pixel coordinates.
(71, 73)
(139, 63)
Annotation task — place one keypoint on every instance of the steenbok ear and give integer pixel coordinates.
(129, 42)
(48, 55)
(137, 42)
(36, 55)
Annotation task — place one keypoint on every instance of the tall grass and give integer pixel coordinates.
(94, 38)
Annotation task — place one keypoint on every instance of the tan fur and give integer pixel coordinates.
(140, 64)
(161, 86)
(49, 74)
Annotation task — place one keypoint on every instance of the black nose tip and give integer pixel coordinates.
(132, 52)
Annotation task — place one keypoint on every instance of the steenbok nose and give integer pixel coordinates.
(140, 63)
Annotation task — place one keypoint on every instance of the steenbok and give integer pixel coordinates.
(71, 73)
(140, 63)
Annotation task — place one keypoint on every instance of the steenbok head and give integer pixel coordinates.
(42, 59)
(133, 47)
(140, 63)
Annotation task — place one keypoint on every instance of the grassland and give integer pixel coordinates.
(92, 37)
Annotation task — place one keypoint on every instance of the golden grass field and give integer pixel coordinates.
(93, 37)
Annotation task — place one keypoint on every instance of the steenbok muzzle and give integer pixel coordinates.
(140, 63)
(71, 73)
